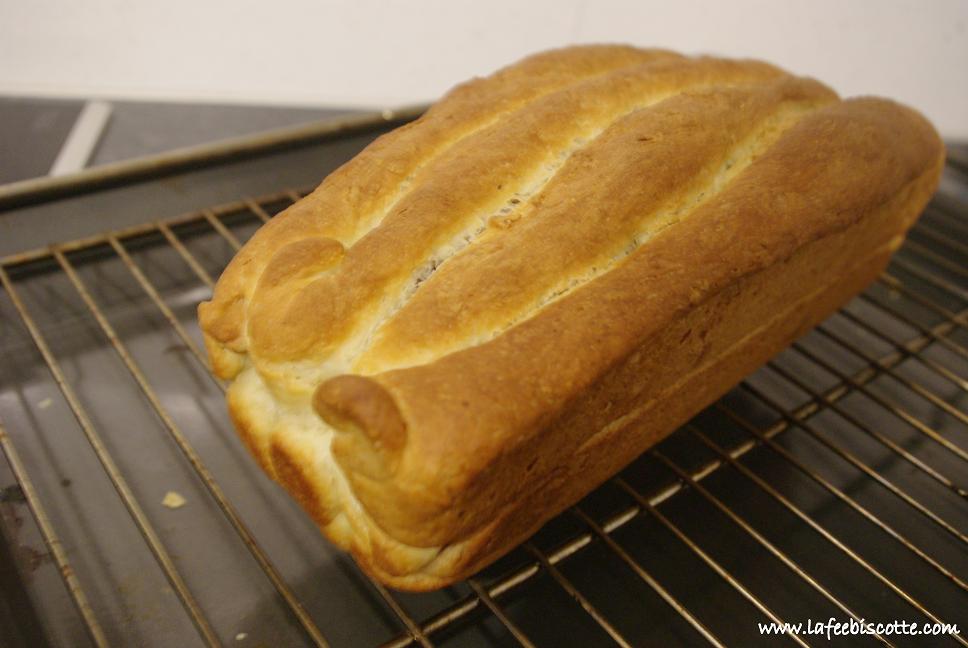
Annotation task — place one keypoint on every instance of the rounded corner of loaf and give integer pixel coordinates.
(220, 334)
(370, 431)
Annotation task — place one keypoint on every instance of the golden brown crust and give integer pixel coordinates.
(357, 192)
(769, 212)
(473, 178)
(354, 406)
(710, 213)
(685, 146)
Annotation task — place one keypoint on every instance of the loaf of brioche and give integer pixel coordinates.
(492, 309)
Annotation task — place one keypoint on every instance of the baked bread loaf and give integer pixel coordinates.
(492, 309)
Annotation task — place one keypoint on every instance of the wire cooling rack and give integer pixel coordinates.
(830, 483)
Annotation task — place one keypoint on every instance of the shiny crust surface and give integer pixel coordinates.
(491, 310)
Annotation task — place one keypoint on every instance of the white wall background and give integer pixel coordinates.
(381, 54)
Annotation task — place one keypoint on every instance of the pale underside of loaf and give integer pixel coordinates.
(492, 309)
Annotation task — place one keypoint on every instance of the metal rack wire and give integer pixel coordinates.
(905, 394)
